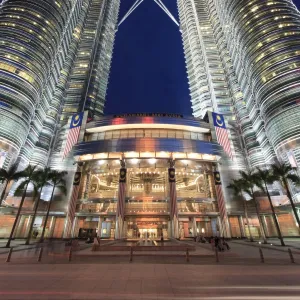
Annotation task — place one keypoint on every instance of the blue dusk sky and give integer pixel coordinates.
(148, 71)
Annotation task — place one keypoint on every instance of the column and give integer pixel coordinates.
(195, 233)
(74, 227)
(265, 227)
(27, 226)
(119, 231)
(173, 201)
(99, 227)
(220, 226)
(87, 185)
(242, 226)
(52, 227)
(72, 205)
(19, 227)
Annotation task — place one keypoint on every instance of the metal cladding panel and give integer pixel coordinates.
(155, 119)
(147, 144)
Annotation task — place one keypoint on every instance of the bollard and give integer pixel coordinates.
(187, 255)
(291, 256)
(131, 254)
(262, 259)
(9, 254)
(70, 254)
(217, 254)
(40, 254)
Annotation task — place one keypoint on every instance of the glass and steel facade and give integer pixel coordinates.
(242, 61)
(146, 144)
(54, 61)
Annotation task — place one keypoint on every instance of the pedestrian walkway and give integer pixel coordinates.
(273, 244)
(148, 282)
(240, 253)
(18, 244)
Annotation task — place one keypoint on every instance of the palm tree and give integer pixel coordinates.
(251, 182)
(238, 186)
(282, 173)
(266, 177)
(56, 179)
(39, 181)
(7, 177)
(28, 174)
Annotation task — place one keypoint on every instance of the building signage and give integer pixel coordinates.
(149, 115)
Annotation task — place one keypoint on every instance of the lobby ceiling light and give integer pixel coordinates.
(152, 161)
(134, 161)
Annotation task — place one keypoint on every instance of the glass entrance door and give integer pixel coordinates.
(148, 233)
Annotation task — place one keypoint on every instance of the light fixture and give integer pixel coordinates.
(152, 161)
(134, 161)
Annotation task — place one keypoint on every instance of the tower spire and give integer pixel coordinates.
(158, 2)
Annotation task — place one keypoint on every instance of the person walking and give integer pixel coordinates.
(217, 242)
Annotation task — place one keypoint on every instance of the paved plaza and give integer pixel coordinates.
(239, 274)
(145, 281)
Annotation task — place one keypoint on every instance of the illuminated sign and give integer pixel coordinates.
(149, 115)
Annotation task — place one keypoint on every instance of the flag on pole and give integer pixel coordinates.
(173, 195)
(72, 203)
(221, 202)
(73, 133)
(121, 204)
(173, 203)
(222, 133)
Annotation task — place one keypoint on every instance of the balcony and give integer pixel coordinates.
(143, 208)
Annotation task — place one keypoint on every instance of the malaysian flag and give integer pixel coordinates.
(72, 203)
(173, 203)
(73, 133)
(221, 202)
(222, 133)
(121, 204)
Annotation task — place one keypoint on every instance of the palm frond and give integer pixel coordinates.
(281, 170)
(294, 178)
(21, 187)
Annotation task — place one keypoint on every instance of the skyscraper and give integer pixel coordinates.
(243, 61)
(242, 64)
(52, 55)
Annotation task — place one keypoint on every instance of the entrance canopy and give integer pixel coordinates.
(157, 136)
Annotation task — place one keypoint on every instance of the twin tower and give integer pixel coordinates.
(242, 60)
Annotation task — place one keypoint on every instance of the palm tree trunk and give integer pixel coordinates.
(248, 225)
(3, 192)
(47, 215)
(275, 217)
(292, 202)
(262, 229)
(36, 205)
(17, 217)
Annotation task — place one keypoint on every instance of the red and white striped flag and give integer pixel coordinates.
(173, 203)
(173, 195)
(73, 133)
(121, 204)
(121, 200)
(221, 203)
(173, 200)
(222, 133)
(72, 203)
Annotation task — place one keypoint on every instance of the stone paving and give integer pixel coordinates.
(145, 281)
(238, 275)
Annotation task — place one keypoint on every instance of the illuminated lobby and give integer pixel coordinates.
(147, 145)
